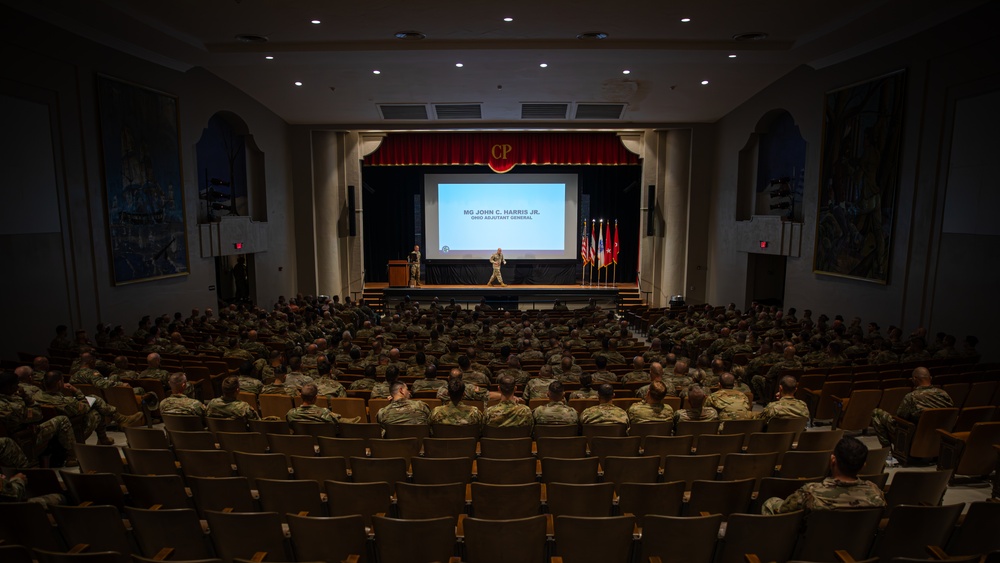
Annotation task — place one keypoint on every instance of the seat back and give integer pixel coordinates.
(283, 496)
(969, 416)
(452, 447)
(916, 487)
(570, 499)
(291, 444)
(314, 429)
(405, 448)
(184, 423)
(243, 534)
(100, 527)
(221, 494)
(979, 456)
(96, 488)
(245, 442)
(455, 431)
(722, 444)
(663, 446)
(851, 530)
(99, 459)
(349, 407)
(690, 468)
(328, 539)
(764, 442)
(749, 466)
(745, 531)
(151, 462)
(142, 438)
(342, 447)
(619, 470)
(506, 471)
(26, 523)
(431, 471)
(977, 534)
(857, 416)
(488, 541)
(499, 502)
(506, 431)
(804, 465)
(366, 499)
(912, 528)
(192, 439)
(796, 425)
(430, 501)
(777, 487)
(575, 538)
(179, 529)
(163, 491)
(604, 446)
(226, 424)
(274, 405)
(319, 469)
(564, 447)
(721, 497)
(659, 428)
(642, 499)
(426, 540)
(505, 448)
(666, 536)
(372, 470)
(581, 470)
(819, 440)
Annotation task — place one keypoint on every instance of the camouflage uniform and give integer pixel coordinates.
(15, 414)
(428, 384)
(555, 413)
(11, 454)
(312, 413)
(380, 390)
(475, 377)
(251, 385)
(404, 411)
(220, 407)
(913, 404)
(363, 384)
(589, 393)
(182, 405)
(673, 382)
(91, 418)
(536, 388)
(645, 412)
(760, 383)
(604, 376)
(829, 494)
(604, 413)
(730, 404)
(508, 413)
(297, 379)
(457, 415)
(636, 377)
(520, 376)
(785, 407)
(330, 387)
(572, 376)
(707, 413)
(94, 377)
(472, 393)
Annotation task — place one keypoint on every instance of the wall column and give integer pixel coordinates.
(327, 194)
(676, 186)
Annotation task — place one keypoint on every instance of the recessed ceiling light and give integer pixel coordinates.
(508, 19)
(409, 35)
(544, 65)
(269, 57)
(297, 83)
(459, 65)
(592, 35)
(376, 72)
(732, 55)
(316, 22)
(704, 82)
(626, 71)
(685, 20)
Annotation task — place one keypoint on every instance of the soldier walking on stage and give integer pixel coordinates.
(497, 259)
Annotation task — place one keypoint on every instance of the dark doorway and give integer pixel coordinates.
(225, 281)
(766, 279)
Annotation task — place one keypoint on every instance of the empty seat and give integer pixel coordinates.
(366, 499)
(720, 497)
(453, 447)
(244, 534)
(642, 499)
(429, 471)
(826, 531)
(430, 501)
(319, 469)
(744, 534)
(151, 462)
(565, 447)
(489, 541)
(693, 537)
(291, 444)
(506, 471)
(575, 538)
(505, 448)
(619, 470)
(261, 466)
(221, 494)
(100, 527)
(690, 468)
(581, 470)
(498, 502)
(205, 463)
(802, 464)
(162, 491)
(244, 442)
(177, 529)
(329, 538)
(594, 499)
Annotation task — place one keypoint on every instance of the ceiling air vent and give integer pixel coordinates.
(599, 111)
(401, 111)
(544, 111)
(458, 111)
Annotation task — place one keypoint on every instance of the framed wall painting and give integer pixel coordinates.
(859, 178)
(143, 182)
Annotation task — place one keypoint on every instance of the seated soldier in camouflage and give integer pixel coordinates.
(248, 382)
(514, 370)
(15, 489)
(730, 403)
(178, 403)
(22, 420)
(327, 384)
(419, 367)
(842, 489)
(228, 406)
(556, 411)
(638, 373)
(604, 412)
(454, 412)
(655, 374)
(402, 409)
(381, 389)
(508, 412)
(308, 411)
(586, 391)
(602, 375)
(366, 382)
(538, 387)
(787, 406)
(923, 396)
(430, 382)
(567, 370)
(86, 414)
(651, 408)
(696, 411)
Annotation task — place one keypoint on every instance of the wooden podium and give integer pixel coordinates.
(399, 273)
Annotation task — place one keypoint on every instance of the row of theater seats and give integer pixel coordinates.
(99, 534)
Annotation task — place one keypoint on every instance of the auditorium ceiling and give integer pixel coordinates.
(651, 68)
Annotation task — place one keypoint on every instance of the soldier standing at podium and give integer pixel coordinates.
(414, 260)
(497, 259)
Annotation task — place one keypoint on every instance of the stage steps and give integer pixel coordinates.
(374, 298)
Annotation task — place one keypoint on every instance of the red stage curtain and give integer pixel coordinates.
(501, 151)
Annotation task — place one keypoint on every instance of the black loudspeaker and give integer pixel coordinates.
(352, 221)
(651, 211)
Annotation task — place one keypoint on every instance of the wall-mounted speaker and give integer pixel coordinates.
(352, 220)
(651, 211)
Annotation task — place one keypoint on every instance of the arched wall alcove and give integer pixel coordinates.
(771, 169)
(231, 179)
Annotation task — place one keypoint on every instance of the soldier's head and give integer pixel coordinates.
(545, 372)
(681, 368)
(507, 386)
(87, 359)
(178, 382)
(370, 372)
(655, 371)
(53, 381)
(294, 363)
(696, 397)
(605, 392)
(727, 380)
(464, 363)
(41, 363)
(787, 386)
(153, 361)
(657, 391)
(638, 363)
(849, 456)
(456, 389)
(556, 391)
(921, 377)
(601, 362)
(230, 387)
(586, 380)
(513, 361)
(23, 374)
(308, 393)
(391, 374)
(398, 390)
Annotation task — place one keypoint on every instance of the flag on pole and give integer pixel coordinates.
(592, 245)
(584, 251)
(607, 249)
(614, 249)
(601, 262)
